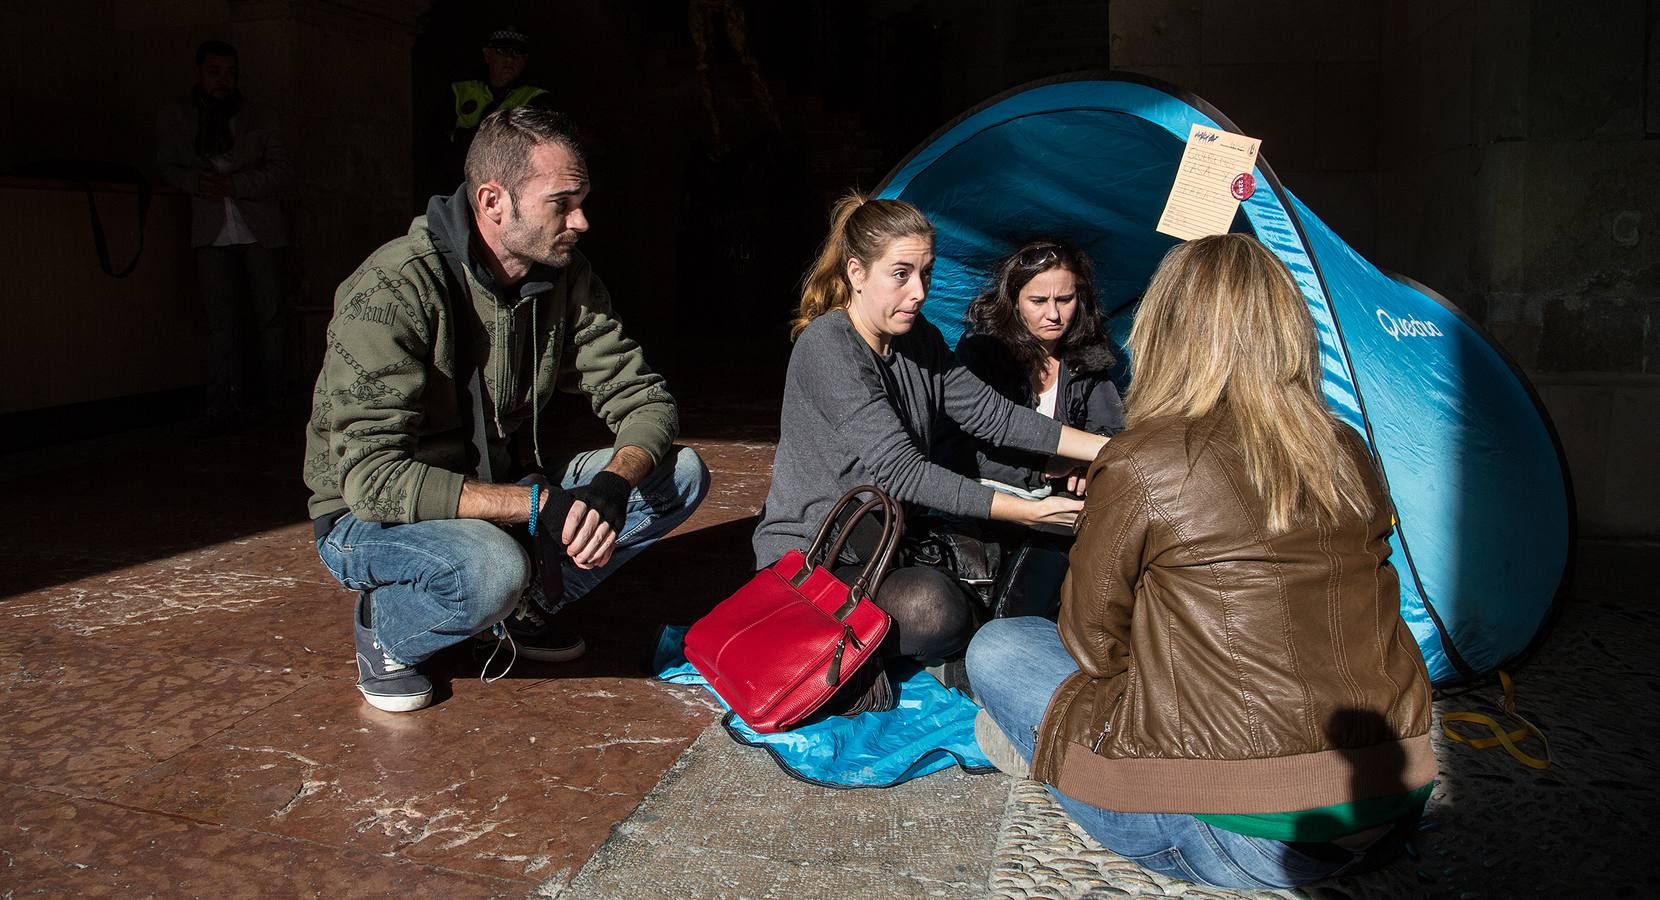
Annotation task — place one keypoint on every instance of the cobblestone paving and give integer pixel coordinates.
(1580, 828)
(729, 824)
(1042, 854)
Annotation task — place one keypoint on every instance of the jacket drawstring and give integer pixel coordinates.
(535, 383)
(501, 370)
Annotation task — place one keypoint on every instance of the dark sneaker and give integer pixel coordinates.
(953, 673)
(386, 683)
(538, 635)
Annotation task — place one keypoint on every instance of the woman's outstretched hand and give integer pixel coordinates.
(1048, 511)
(1066, 475)
(1076, 482)
(1053, 511)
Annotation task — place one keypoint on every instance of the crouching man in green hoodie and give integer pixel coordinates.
(445, 345)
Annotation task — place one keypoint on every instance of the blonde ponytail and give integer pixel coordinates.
(860, 228)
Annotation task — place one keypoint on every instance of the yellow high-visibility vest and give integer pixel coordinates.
(472, 98)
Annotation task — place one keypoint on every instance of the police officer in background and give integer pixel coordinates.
(506, 57)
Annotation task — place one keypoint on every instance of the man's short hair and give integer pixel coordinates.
(213, 48)
(501, 149)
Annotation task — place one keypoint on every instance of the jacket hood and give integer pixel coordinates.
(1092, 358)
(450, 222)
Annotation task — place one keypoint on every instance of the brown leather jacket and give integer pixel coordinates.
(1224, 670)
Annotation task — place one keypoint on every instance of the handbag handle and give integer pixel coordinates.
(875, 568)
(893, 525)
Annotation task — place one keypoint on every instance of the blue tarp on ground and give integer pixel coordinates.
(931, 729)
(1478, 480)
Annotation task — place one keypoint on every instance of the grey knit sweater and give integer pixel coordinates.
(852, 416)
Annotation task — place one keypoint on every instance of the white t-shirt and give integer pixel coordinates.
(1046, 400)
(235, 231)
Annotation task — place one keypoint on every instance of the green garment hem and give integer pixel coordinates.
(1324, 823)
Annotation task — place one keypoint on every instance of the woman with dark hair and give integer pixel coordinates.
(871, 384)
(1035, 337)
(1231, 696)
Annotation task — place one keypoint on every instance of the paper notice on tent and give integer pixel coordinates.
(1215, 175)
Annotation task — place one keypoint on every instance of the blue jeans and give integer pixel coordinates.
(440, 582)
(1015, 667)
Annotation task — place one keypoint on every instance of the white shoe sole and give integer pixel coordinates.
(998, 748)
(565, 654)
(397, 702)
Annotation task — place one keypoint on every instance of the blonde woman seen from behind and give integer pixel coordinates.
(1231, 696)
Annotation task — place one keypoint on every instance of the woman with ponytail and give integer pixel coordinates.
(1231, 696)
(869, 387)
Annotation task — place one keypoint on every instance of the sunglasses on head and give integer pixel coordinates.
(1040, 255)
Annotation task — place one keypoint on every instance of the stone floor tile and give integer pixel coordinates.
(146, 594)
(736, 457)
(23, 570)
(141, 516)
(732, 496)
(310, 635)
(287, 552)
(198, 609)
(510, 780)
(52, 845)
(73, 716)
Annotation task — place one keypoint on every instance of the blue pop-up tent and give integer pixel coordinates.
(1486, 516)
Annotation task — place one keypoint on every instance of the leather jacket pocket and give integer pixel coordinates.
(1100, 715)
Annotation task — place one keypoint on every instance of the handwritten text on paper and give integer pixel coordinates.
(1203, 200)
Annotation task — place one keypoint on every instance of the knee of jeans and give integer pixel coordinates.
(691, 476)
(995, 648)
(491, 576)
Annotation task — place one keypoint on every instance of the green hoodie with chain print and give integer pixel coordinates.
(390, 430)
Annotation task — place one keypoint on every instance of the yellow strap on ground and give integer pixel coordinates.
(1501, 737)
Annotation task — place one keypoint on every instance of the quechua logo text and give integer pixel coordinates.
(1407, 327)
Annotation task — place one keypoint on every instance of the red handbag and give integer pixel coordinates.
(777, 649)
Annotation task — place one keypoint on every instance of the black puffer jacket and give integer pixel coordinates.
(1085, 400)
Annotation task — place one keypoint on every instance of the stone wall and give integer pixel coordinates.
(338, 72)
(85, 79)
(74, 334)
(1500, 151)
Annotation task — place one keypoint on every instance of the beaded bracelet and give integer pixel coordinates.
(535, 506)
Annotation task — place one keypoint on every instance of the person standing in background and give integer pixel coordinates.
(226, 154)
(506, 53)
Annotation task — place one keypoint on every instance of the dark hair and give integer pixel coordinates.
(997, 310)
(213, 48)
(501, 149)
(860, 228)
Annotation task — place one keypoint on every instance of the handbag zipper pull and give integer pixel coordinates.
(834, 676)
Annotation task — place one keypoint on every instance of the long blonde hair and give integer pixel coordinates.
(860, 228)
(1223, 327)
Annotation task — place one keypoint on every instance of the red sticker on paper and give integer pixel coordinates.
(1244, 186)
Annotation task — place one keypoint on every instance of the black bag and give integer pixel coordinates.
(959, 549)
(1029, 582)
(1006, 570)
